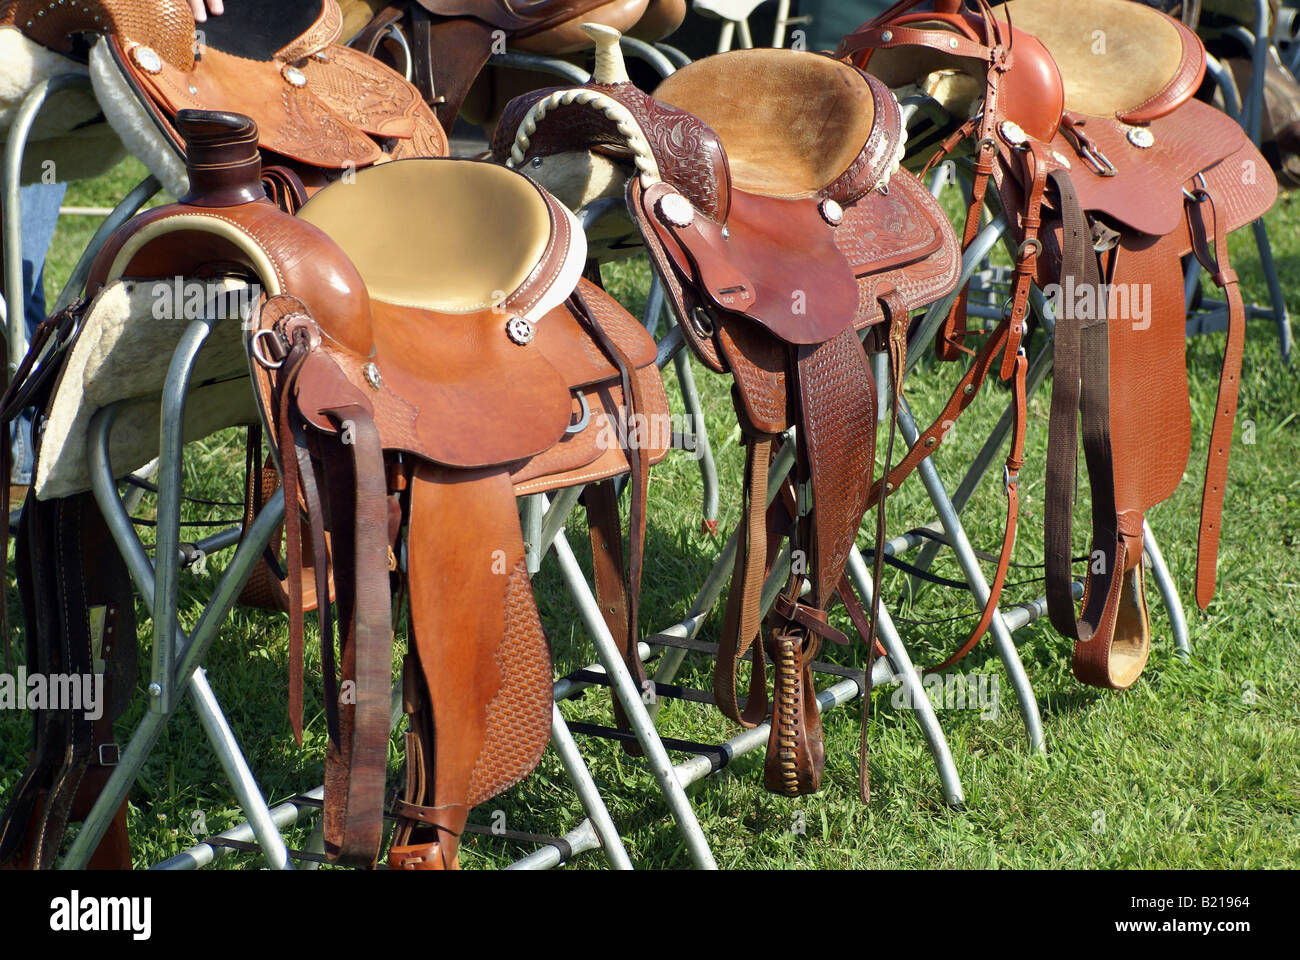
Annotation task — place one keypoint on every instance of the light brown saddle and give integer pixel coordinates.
(322, 109)
(451, 40)
(427, 351)
(1081, 115)
(766, 189)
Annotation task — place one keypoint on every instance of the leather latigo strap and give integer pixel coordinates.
(80, 614)
(1210, 244)
(1081, 389)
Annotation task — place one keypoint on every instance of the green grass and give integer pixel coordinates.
(1197, 766)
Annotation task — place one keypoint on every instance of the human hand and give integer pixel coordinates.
(201, 9)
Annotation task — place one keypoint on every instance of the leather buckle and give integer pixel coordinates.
(1098, 160)
(804, 499)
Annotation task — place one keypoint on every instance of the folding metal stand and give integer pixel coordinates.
(177, 656)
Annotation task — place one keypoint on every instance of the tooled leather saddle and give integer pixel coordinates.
(428, 350)
(1080, 116)
(322, 109)
(766, 189)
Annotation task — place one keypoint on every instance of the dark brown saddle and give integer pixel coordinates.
(322, 109)
(451, 40)
(1082, 118)
(779, 233)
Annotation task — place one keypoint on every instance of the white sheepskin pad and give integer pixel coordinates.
(70, 139)
(122, 354)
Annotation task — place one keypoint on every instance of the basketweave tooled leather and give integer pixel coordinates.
(1170, 157)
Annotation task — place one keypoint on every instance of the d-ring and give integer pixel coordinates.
(583, 420)
(257, 349)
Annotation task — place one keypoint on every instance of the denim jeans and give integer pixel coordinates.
(39, 204)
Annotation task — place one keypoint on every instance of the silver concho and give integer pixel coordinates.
(147, 59)
(831, 211)
(1013, 133)
(519, 331)
(887, 36)
(1141, 137)
(676, 210)
(372, 376)
(295, 76)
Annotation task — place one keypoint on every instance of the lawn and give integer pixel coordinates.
(1197, 766)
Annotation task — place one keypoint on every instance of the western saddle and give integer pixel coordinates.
(1081, 116)
(779, 234)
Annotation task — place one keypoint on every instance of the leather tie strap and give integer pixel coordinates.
(354, 827)
(1225, 409)
(740, 623)
(1081, 394)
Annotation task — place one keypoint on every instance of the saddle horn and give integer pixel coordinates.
(610, 66)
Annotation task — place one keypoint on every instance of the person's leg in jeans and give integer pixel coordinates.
(39, 204)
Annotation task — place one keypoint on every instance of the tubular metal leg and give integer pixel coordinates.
(700, 431)
(284, 816)
(20, 128)
(168, 537)
(1168, 592)
(188, 651)
(670, 345)
(657, 60)
(979, 587)
(580, 777)
(907, 675)
(630, 697)
(124, 211)
(1269, 266)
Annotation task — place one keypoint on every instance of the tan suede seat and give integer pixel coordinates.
(454, 238)
(1116, 57)
(791, 123)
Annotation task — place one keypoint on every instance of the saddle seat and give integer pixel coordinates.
(1117, 58)
(450, 242)
(816, 116)
(453, 253)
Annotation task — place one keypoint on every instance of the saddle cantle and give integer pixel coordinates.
(322, 109)
(778, 234)
(1081, 114)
